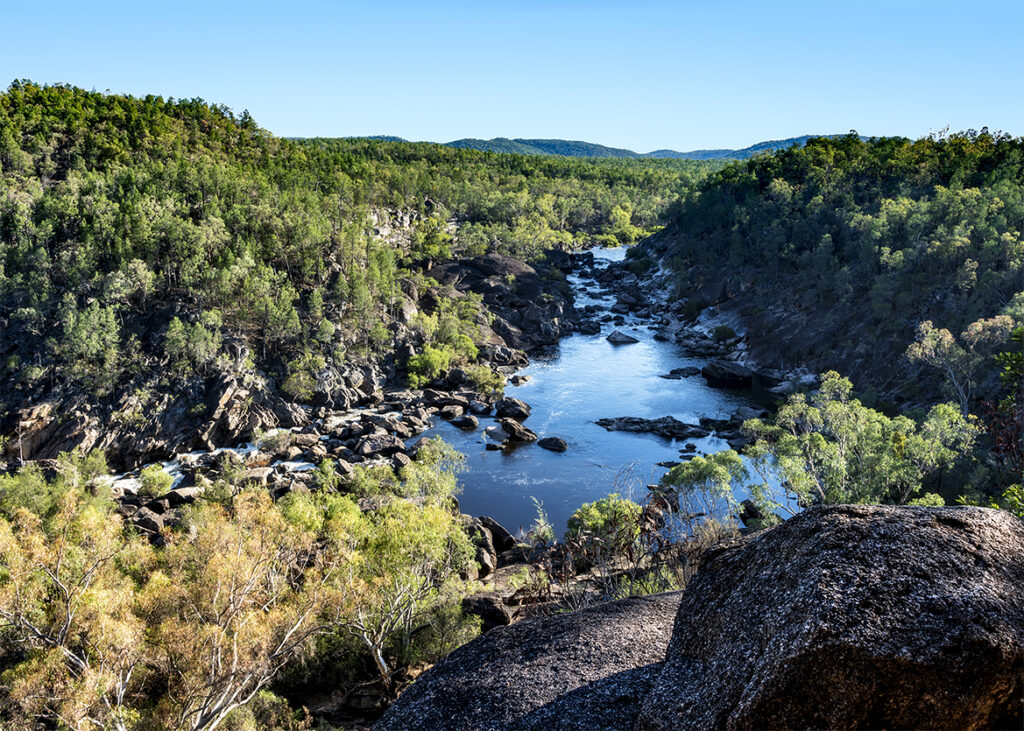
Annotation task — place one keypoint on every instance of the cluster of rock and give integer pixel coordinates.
(644, 298)
(528, 308)
(729, 429)
(842, 617)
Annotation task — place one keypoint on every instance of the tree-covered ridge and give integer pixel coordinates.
(576, 148)
(134, 230)
(519, 146)
(838, 250)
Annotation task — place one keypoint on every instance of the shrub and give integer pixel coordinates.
(612, 520)
(428, 365)
(722, 333)
(155, 481)
(302, 377)
(485, 379)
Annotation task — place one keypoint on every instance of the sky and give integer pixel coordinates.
(641, 74)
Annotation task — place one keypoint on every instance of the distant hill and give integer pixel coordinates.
(573, 148)
(577, 148)
(743, 154)
(565, 148)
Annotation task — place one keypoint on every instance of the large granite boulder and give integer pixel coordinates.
(842, 617)
(587, 670)
(853, 617)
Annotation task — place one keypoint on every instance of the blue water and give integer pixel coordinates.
(586, 378)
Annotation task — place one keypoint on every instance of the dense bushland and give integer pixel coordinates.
(135, 231)
(839, 250)
(102, 628)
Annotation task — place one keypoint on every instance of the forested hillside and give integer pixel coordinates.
(148, 244)
(575, 148)
(835, 253)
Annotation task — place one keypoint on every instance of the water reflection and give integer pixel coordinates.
(583, 379)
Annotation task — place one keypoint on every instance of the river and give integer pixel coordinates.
(581, 380)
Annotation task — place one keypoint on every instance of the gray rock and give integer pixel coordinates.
(182, 495)
(853, 616)
(617, 337)
(490, 608)
(743, 413)
(555, 444)
(467, 422)
(148, 520)
(503, 540)
(259, 475)
(399, 460)
(585, 670)
(517, 433)
(512, 408)
(666, 426)
(379, 444)
(727, 373)
(850, 616)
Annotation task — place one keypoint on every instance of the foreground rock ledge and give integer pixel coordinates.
(853, 617)
(843, 617)
(586, 670)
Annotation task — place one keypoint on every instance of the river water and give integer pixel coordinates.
(581, 380)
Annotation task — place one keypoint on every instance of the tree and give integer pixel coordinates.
(829, 448)
(70, 605)
(230, 607)
(703, 486)
(302, 376)
(959, 362)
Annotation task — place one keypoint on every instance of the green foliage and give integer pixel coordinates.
(928, 500)
(113, 204)
(155, 481)
(120, 634)
(722, 333)
(829, 448)
(77, 474)
(705, 484)
(192, 348)
(863, 236)
(612, 520)
(485, 379)
(302, 376)
(428, 365)
(542, 532)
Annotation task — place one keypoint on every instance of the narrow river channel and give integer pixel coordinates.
(584, 379)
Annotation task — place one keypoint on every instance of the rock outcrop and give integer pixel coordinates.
(842, 617)
(588, 670)
(853, 617)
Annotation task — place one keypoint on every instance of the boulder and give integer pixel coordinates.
(727, 373)
(554, 444)
(517, 432)
(148, 520)
(259, 475)
(853, 616)
(589, 327)
(503, 540)
(467, 422)
(379, 444)
(617, 337)
(849, 616)
(585, 670)
(512, 408)
(490, 608)
(666, 426)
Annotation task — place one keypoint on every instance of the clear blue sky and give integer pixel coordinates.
(637, 74)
